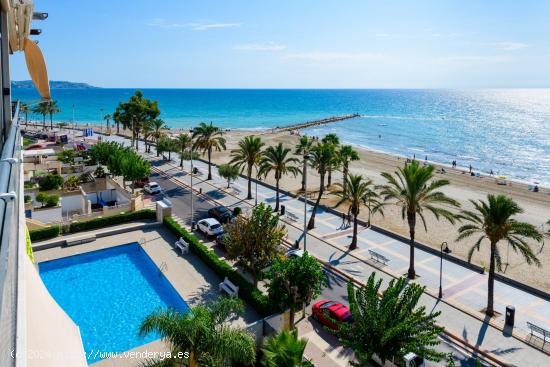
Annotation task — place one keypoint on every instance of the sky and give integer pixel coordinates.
(295, 43)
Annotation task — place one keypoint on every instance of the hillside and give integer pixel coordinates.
(54, 84)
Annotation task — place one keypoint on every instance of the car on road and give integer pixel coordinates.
(152, 188)
(295, 252)
(210, 227)
(329, 312)
(221, 213)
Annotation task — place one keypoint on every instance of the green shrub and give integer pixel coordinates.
(45, 233)
(247, 291)
(237, 211)
(42, 198)
(27, 198)
(51, 182)
(52, 200)
(112, 220)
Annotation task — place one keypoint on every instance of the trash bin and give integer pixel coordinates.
(193, 225)
(283, 209)
(510, 315)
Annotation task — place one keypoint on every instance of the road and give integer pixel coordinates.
(336, 288)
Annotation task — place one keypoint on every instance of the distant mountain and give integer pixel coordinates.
(54, 84)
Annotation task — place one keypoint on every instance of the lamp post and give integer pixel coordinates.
(257, 179)
(444, 248)
(192, 200)
(306, 157)
(101, 119)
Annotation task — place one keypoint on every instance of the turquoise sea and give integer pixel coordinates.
(504, 130)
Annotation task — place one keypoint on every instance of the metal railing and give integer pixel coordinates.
(11, 196)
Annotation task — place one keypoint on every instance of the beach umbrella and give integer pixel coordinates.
(37, 68)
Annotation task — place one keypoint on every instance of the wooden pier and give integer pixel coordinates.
(305, 125)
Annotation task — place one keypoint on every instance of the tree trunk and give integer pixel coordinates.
(353, 245)
(228, 183)
(51, 121)
(491, 283)
(277, 194)
(118, 127)
(157, 147)
(192, 362)
(303, 181)
(311, 223)
(345, 183)
(291, 318)
(411, 218)
(329, 178)
(249, 196)
(44, 121)
(137, 140)
(209, 164)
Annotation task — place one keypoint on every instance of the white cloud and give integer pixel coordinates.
(471, 59)
(265, 46)
(509, 46)
(332, 56)
(195, 26)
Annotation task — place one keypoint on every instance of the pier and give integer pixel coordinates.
(305, 125)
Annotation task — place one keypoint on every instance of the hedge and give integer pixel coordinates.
(54, 231)
(247, 291)
(112, 220)
(45, 233)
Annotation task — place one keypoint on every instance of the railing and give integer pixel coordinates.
(11, 230)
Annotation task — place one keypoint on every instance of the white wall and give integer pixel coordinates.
(48, 215)
(72, 204)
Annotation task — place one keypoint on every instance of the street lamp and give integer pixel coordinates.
(101, 119)
(306, 157)
(257, 179)
(443, 249)
(192, 201)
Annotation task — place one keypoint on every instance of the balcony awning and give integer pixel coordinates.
(37, 68)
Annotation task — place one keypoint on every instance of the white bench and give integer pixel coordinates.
(80, 240)
(231, 289)
(378, 257)
(292, 216)
(182, 245)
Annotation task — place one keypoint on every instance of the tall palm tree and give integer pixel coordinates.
(24, 108)
(116, 119)
(247, 156)
(493, 220)
(147, 132)
(360, 192)
(335, 162)
(53, 108)
(322, 155)
(276, 159)
(183, 141)
(208, 137)
(107, 119)
(284, 350)
(346, 154)
(158, 133)
(412, 189)
(204, 333)
(42, 108)
(302, 148)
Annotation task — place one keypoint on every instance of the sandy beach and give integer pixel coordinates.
(463, 187)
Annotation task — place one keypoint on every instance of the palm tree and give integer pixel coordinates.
(53, 108)
(204, 333)
(158, 133)
(107, 118)
(24, 108)
(335, 162)
(322, 155)
(493, 220)
(276, 159)
(359, 193)
(42, 108)
(410, 188)
(284, 350)
(208, 137)
(247, 156)
(183, 141)
(302, 148)
(346, 154)
(116, 119)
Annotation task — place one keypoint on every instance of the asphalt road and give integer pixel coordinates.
(336, 288)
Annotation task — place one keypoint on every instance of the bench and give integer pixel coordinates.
(182, 245)
(231, 289)
(537, 329)
(378, 257)
(80, 240)
(292, 216)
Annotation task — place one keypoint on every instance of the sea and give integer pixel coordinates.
(506, 131)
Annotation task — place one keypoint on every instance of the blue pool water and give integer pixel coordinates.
(108, 293)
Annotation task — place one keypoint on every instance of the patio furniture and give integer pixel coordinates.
(182, 246)
(538, 330)
(231, 289)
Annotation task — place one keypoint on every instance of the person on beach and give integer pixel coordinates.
(470, 168)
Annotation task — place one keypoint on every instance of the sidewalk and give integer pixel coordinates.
(463, 288)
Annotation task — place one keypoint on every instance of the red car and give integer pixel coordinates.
(326, 311)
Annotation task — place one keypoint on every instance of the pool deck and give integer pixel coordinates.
(194, 281)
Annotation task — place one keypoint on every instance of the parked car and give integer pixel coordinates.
(295, 252)
(221, 213)
(210, 227)
(152, 188)
(327, 311)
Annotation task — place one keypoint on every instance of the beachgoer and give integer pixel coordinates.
(492, 173)
(470, 168)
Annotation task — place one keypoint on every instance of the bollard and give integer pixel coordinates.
(510, 316)
(283, 210)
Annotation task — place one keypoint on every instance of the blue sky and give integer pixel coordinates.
(296, 43)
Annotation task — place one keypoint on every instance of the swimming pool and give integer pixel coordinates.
(108, 293)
